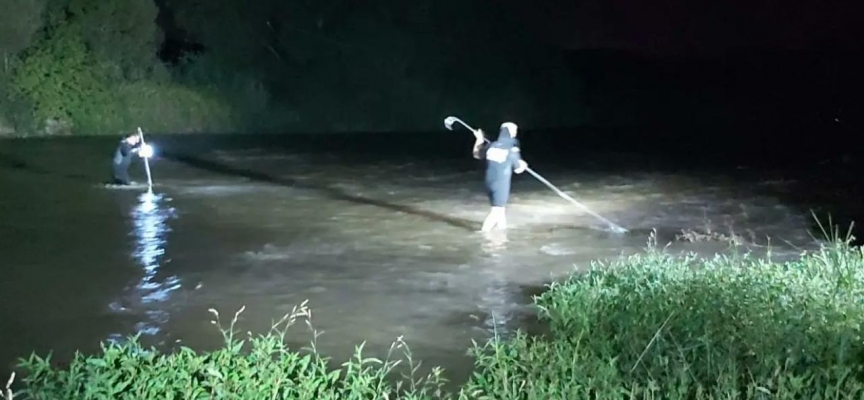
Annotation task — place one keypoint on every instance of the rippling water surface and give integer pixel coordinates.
(380, 246)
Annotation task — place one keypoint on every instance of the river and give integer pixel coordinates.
(377, 233)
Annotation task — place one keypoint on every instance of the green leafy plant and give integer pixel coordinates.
(681, 327)
(58, 77)
(261, 367)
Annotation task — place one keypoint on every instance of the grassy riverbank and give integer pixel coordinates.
(653, 325)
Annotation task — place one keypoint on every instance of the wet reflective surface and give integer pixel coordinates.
(150, 295)
(381, 244)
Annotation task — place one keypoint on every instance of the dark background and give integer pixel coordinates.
(774, 75)
(732, 72)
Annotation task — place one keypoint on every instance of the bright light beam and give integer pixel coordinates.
(146, 151)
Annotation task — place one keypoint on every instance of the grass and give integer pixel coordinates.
(261, 367)
(679, 327)
(648, 326)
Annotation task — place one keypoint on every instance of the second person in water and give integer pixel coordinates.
(502, 159)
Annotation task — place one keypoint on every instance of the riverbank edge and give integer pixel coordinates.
(627, 328)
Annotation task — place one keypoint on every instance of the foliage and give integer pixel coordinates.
(93, 70)
(657, 325)
(15, 110)
(245, 46)
(170, 107)
(268, 370)
(57, 76)
(383, 65)
(242, 94)
(60, 80)
(19, 22)
(122, 35)
(272, 66)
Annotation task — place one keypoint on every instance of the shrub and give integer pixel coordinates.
(174, 108)
(658, 325)
(267, 370)
(60, 79)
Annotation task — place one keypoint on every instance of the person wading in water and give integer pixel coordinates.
(128, 146)
(502, 159)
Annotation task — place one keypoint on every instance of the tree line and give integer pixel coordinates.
(86, 67)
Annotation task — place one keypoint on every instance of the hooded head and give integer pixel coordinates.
(507, 133)
(132, 138)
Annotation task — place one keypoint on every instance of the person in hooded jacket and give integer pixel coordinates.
(128, 146)
(502, 157)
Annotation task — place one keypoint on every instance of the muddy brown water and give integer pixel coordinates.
(382, 244)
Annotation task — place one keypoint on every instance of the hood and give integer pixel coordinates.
(505, 135)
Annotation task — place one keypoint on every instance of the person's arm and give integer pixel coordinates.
(142, 149)
(131, 148)
(519, 165)
(125, 149)
(479, 144)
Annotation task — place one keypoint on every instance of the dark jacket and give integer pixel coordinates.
(502, 157)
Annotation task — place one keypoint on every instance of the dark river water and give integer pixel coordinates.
(378, 234)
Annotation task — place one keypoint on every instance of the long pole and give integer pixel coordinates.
(449, 124)
(146, 162)
(563, 195)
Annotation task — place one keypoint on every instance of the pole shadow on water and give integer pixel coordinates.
(329, 191)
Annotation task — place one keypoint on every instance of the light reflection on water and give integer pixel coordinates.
(150, 231)
(496, 298)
